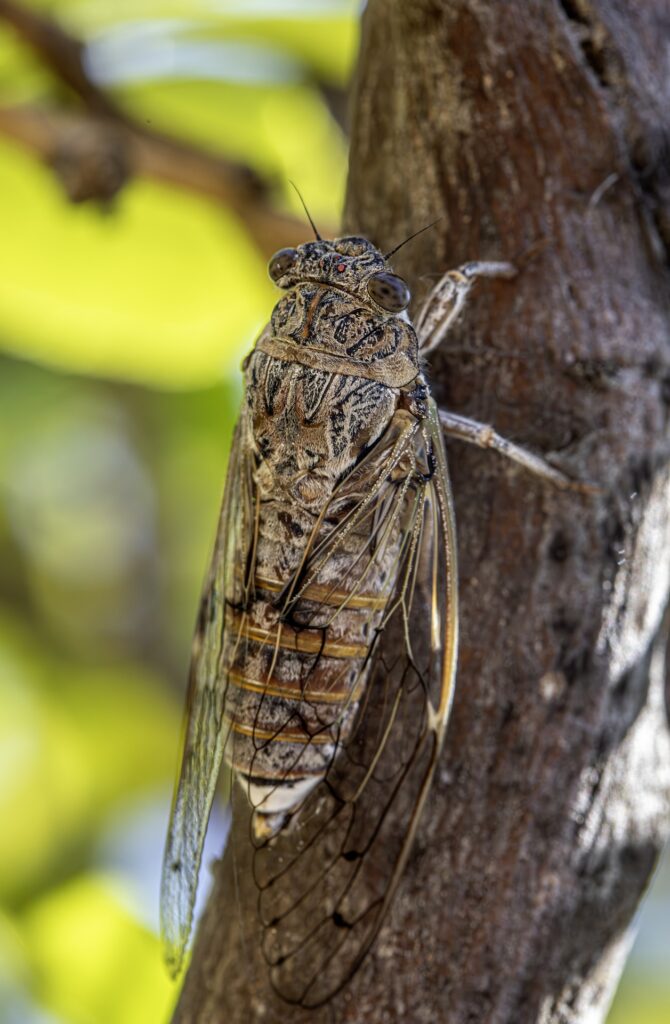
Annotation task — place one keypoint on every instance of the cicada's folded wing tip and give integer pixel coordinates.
(174, 942)
(173, 957)
(176, 910)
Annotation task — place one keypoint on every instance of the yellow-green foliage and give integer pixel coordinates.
(119, 973)
(165, 287)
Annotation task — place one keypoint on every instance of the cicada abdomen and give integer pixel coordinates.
(324, 659)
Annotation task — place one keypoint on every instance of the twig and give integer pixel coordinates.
(96, 150)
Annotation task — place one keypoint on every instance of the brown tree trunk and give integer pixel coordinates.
(538, 131)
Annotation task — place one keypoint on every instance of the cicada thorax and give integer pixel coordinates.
(297, 649)
(328, 329)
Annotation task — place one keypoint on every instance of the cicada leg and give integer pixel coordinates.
(448, 298)
(444, 304)
(484, 436)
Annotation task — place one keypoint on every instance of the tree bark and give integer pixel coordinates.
(538, 132)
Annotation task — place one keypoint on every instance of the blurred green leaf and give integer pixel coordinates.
(641, 1000)
(165, 289)
(73, 741)
(93, 962)
(23, 78)
(80, 503)
(14, 968)
(284, 130)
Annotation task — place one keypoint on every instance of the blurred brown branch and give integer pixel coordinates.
(97, 147)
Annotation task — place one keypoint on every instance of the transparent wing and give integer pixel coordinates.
(326, 880)
(204, 737)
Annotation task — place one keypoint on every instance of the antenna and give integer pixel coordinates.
(419, 232)
(309, 217)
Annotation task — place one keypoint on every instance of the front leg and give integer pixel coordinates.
(448, 297)
(484, 436)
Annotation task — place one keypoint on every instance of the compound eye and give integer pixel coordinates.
(389, 292)
(281, 263)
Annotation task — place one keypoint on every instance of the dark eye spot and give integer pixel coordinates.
(389, 292)
(281, 263)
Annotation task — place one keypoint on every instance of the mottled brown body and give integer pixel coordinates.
(296, 682)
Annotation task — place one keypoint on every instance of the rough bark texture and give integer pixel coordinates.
(535, 128)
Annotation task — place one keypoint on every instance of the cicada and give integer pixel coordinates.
(325, 652)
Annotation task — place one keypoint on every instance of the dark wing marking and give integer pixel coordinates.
(204, 736)
(327, 878)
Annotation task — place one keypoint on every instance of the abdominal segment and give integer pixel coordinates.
(292, 696)
(296, 674)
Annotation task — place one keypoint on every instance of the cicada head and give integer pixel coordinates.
(351, 264)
